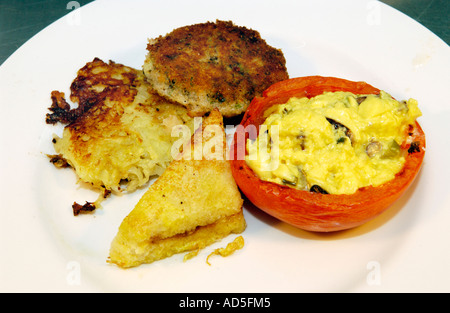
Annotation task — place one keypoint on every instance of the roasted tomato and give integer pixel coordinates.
(311, 210)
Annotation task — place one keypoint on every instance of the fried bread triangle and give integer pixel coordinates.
(194, 203)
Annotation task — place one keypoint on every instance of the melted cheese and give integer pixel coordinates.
(337, 141)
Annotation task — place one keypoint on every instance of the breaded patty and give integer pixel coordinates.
(213, 65)
(120, 131)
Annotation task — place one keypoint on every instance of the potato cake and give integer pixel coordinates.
(119, 136)
(213, 65)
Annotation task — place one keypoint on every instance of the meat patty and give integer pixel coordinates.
(213, 65)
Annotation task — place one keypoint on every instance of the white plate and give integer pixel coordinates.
(45, 248)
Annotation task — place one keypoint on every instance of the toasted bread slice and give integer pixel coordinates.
(194, 203)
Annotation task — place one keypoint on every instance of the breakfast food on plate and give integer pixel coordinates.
(331, 154)
(320, 153)
(120, 133)
(213, 65)
(194, 203)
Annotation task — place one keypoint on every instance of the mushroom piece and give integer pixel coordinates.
(373, 148)
(361, 99)
(299, 181)
(346, 131)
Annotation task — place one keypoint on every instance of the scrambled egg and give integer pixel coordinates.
(333, 143)
(236, 244)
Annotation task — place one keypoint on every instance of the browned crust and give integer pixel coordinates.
(98, 75)
(94, 82)
(98, 87)
(229, 64)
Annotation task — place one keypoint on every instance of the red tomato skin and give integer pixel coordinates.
(314, 211)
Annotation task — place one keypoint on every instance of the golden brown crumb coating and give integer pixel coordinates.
(213, 65)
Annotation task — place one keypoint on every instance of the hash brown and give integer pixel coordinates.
(120, 131)
(213, 65)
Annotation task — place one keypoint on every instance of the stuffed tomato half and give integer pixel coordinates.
(326, 154)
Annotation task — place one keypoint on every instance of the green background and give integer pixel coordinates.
(22, 19)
